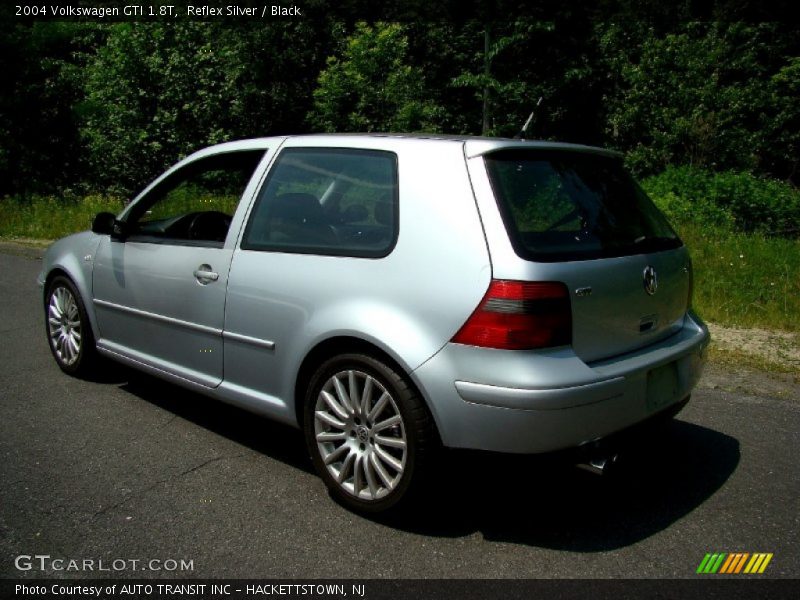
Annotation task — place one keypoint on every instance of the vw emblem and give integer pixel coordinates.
(650, 280)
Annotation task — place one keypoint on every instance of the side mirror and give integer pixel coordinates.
(106, 223)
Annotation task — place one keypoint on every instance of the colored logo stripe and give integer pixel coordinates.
(711, 563)
(732, 563)
(758, 563)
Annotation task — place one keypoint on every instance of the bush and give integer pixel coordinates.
(734, 200)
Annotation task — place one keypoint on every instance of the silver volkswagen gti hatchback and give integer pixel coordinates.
(389, 294)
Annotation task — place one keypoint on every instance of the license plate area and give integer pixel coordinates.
(662, 387)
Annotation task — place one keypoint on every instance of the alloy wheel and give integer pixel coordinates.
(360, 434)
(64, 325)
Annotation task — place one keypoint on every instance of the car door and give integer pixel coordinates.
(159, 286)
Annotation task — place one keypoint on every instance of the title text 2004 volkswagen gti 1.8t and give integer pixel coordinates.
(389, 294)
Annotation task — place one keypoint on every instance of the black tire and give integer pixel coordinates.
(362, 437)
(82, 362)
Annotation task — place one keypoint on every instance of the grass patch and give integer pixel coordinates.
(744, 280)
(49, 218)
(745, 275)
(742, 232)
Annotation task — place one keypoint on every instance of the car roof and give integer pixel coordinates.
(474, 145)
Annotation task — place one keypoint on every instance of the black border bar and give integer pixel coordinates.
(710, 587)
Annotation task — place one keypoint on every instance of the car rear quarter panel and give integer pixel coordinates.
(409, 303)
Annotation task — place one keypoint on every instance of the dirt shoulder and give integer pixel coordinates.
(750, 381)
(773, 350)
(28, 248)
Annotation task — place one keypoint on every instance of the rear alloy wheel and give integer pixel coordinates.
(68, 331)
(367, 432)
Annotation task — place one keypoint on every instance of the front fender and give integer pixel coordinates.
(74, 256)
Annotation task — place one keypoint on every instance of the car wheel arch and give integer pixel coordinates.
(334, 346)
(57, 272)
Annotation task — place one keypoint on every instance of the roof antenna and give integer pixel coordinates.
(522, 132)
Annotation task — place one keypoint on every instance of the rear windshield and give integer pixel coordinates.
(564, 205)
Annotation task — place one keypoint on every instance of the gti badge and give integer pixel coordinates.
(650, 280)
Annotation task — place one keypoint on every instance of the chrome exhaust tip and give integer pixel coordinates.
(600, 464)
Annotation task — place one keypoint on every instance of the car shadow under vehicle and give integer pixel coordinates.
(543, 501)
(661, 475)
(262, 435)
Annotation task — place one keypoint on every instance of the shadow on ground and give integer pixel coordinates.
(661, 476)
(276, 440)
(539, 502)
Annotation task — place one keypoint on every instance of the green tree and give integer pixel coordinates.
(528, 59)
(486, 86)
(781, 122)
(371, 86)
(711, 95)
(40, 148)
(158, 91)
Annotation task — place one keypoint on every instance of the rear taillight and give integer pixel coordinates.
(520, 315)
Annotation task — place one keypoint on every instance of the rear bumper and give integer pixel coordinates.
(531, 402)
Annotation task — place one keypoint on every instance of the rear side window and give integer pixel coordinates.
(335, 201)
(562, 205)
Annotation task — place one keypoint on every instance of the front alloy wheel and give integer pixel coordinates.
(366, 430)
(68, 331)
(64, 326)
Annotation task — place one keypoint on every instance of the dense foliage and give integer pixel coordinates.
(741, 201)
(157, 92)
(715, 96)
(104, 107)
(373, 87)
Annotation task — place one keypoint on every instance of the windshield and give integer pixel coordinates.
(566, 205)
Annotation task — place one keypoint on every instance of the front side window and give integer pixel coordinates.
(563, 205)
(335, 201)
(195, 204)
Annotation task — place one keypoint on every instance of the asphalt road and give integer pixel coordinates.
(135, 469)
